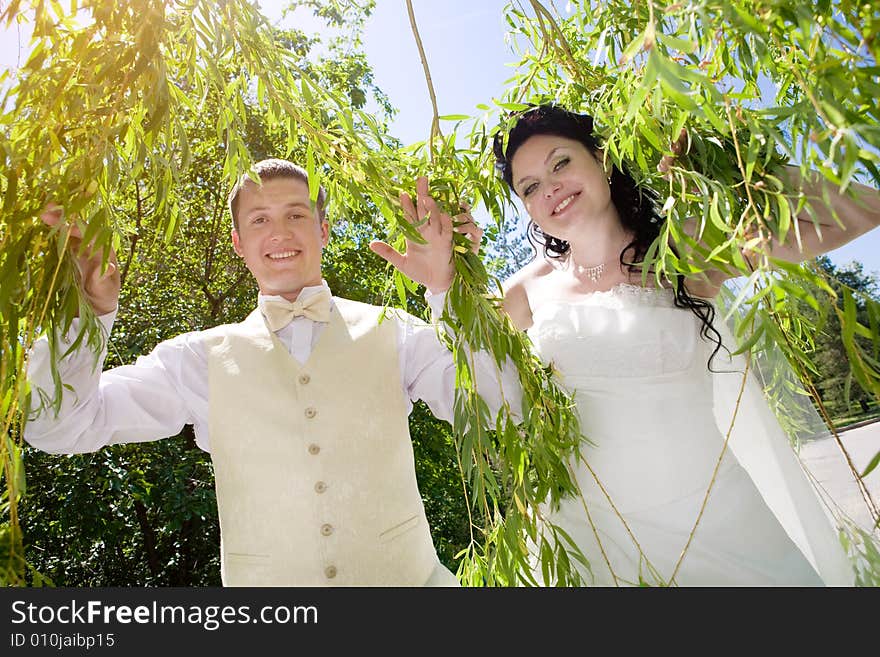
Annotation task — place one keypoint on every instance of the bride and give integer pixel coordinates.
(669, 496)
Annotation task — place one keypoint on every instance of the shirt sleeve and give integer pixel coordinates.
(151, 399)
(428, 368)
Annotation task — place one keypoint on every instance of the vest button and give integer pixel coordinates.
(311, 412)
(304, 379)
(330, 572)
(314, 449)
(326, 529)
(320, 487)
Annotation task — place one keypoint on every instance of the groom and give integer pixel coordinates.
(303, 406)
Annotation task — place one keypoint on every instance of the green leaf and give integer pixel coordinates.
(676, 43)
(634, 46)
(872, 464)
(314, 179)
(645, 86)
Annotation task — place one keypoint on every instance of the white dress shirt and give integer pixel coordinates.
(168, 388)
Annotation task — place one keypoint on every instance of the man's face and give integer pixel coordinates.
(279, 236)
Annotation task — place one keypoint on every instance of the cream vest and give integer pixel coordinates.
(313, 463)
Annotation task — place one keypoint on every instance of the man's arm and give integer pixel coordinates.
(429, 374)
(146, 401)
(427, 366)
(149, 400)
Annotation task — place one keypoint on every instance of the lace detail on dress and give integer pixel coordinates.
(626, 331)
(619, 296)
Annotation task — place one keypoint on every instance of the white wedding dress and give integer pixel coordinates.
(656, 418)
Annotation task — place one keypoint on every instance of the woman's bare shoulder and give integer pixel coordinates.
(534, 270)
(516, 292)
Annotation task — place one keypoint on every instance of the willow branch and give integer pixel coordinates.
(137, 234)
(558, 37)
(739, 397)
(435, 121)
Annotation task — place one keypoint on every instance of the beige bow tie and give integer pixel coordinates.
(279, 312)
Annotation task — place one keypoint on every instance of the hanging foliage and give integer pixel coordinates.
(132, 73)
(104, 106)
(757, 85)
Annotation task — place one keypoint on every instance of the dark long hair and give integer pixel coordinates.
(636, 206)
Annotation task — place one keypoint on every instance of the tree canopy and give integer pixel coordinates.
(138, 114)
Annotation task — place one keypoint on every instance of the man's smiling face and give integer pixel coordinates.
(280, 236)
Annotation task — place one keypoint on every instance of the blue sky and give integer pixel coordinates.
(469, 60)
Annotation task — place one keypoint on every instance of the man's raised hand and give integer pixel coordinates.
(430, 263)
(101, 289)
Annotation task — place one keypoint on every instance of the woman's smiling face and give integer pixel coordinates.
(561, 183)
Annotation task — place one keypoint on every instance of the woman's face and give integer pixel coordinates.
(561, 183)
